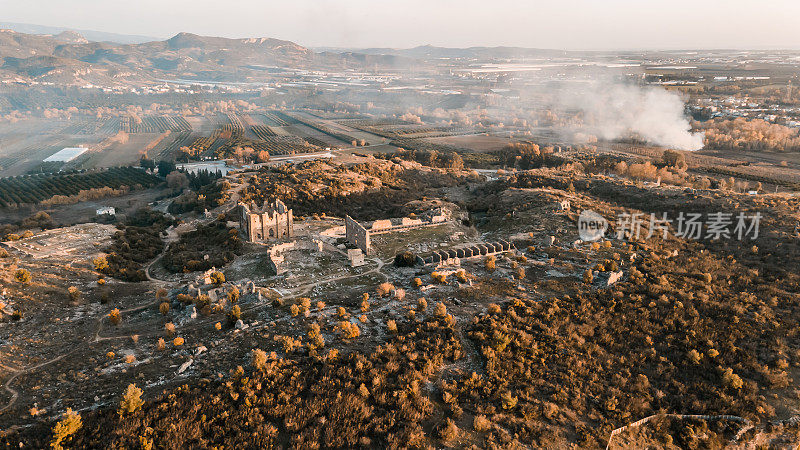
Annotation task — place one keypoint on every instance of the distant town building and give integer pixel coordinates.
(211, 166)
(275, 221)
(107, 210)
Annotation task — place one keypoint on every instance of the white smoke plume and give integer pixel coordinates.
(613, 110)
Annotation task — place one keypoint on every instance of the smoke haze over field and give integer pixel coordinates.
(614, 110)
(591, 105)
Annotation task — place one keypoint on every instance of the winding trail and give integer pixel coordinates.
(14, 393)
(172, 236)
(16, 373)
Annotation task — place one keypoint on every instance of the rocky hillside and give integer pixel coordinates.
(70, 58)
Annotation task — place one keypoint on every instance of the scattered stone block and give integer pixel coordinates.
(613, 277)
(356, 257)
(185, 366)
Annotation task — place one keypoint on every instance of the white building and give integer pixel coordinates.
(66, 154)
(109, 210)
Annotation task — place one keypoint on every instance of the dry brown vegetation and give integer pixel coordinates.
(671, 338)
(137, 242)
(365, 191)
(377, 399)
(514, 359)
(212, 245)
(750, 135)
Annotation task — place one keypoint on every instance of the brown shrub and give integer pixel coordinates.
(385, 289)
(131, 400)
(480, 423)
(114, 316)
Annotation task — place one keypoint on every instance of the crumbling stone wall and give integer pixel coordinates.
(357, 235)
(275, 222)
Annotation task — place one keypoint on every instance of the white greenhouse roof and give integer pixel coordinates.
(66, 154)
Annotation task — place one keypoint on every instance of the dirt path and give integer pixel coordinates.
(96, 337)
(14, 393)
(172, 236)
(16, 373)
(306, 288)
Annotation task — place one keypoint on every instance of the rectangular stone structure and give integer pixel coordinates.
(384, 224)
(409, 222)
(357, 235)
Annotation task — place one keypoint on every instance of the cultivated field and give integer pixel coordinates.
(474, 142)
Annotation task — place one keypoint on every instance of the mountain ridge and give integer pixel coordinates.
(91, 35)
(39, 57)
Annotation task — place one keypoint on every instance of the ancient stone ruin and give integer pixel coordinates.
(275, 221)
(359, 236)
(454, 256)
(356, 257)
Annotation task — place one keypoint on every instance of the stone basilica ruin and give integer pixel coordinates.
(274, 221)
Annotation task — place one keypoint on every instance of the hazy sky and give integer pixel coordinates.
(567, 24)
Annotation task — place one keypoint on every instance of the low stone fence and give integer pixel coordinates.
(391, 229)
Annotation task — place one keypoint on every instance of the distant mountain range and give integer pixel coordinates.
(96, 36)
(71, 58)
